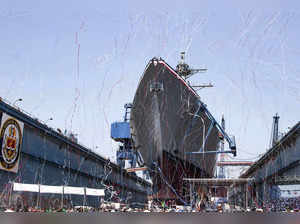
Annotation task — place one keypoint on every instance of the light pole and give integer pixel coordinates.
(20, 99)
(50, 119)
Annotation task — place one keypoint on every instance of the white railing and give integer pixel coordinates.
(38, 188)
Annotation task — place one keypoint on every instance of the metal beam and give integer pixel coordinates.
(286, 180)
(129, 170)
(214, 123)
(210, 152)
(203, 86)
(218, 181)
(234, 163)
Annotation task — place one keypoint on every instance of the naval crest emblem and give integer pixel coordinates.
(10, 139)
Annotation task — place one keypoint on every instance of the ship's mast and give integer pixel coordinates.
(184, 70)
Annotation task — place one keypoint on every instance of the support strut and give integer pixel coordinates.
(213, 123)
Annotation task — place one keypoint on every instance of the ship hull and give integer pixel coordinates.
(167, 125)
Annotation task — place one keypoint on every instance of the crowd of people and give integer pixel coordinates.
(280, 205)
(79, 209)
(283, 204)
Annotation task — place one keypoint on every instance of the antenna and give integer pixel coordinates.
(184, 69)
(198, 87)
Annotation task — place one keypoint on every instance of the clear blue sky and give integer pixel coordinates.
(251, 51)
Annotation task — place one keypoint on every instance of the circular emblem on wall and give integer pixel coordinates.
(10, 139)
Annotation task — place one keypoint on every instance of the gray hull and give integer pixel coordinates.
(165, 128)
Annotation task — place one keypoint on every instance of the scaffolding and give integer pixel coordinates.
(233, 183)
(218, 181)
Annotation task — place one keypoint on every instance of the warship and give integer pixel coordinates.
(172, 129)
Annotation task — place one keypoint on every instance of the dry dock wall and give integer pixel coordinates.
(50, 158)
